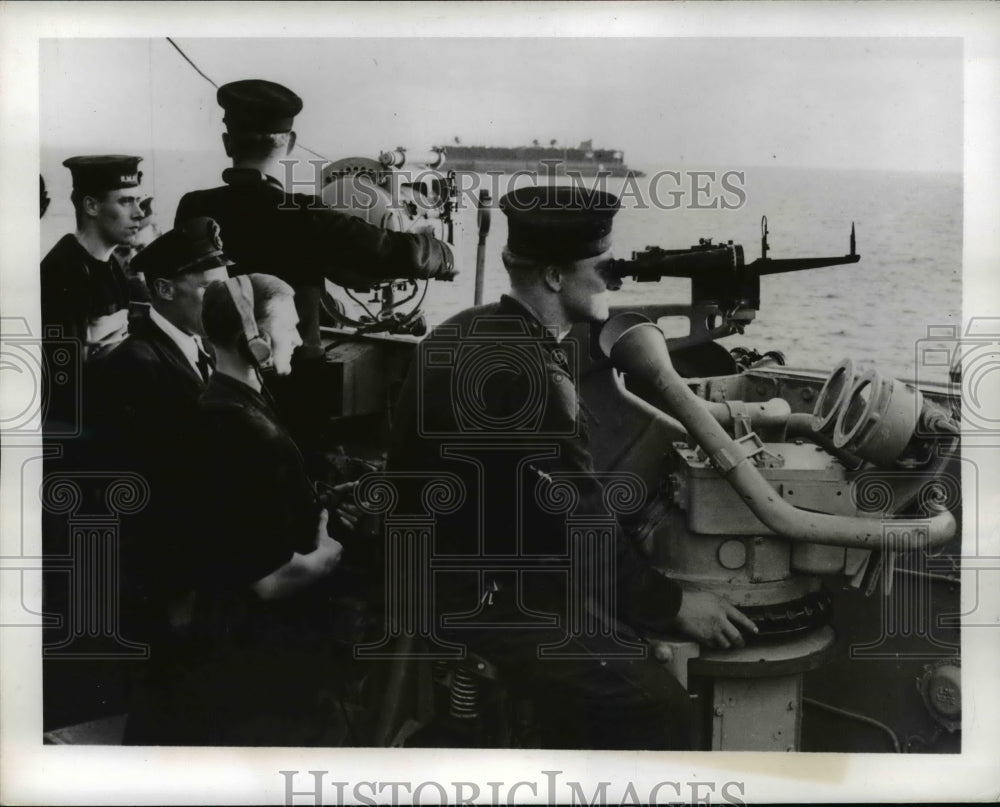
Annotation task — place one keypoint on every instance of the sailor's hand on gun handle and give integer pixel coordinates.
(711, 620)
(328, 550)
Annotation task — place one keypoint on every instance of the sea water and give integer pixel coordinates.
(877, 311)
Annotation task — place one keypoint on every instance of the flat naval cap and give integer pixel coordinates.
(256, 105)
(106, 172)
(558, 222)
(193, 245)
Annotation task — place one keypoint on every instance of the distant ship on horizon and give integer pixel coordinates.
(583, 159)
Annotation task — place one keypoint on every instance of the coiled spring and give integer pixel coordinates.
(464, 695)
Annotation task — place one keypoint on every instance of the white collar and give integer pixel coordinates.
(190, 345)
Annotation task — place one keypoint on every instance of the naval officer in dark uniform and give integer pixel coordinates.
(142, 397)
(142, 402)
(496, 397)
(158, 372)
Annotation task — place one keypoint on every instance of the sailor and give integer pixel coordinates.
(84, 314)
(84, 288)
(268, 229)
(264, 550)
(141, 403)
(504, 407)
(295, 236)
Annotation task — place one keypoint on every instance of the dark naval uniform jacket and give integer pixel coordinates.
(297, 238)
(491, 398)
(77, 288)
(260, 660)
(147, 380)
(141, 403)
(85, 298)
(260, 504)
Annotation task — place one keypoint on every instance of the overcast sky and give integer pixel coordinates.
(838, 103)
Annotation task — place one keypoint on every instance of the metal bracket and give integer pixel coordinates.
(752, 449)
(724, 461)
(741, 419)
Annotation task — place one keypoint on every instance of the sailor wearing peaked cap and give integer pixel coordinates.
(558, 222)
(558, 252)
(256, 105)
(526, 402)
(268, 229)
(559, 242)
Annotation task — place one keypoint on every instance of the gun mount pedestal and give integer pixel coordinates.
(751, 498)
(752, 697)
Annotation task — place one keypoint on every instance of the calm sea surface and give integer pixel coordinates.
(909, 236)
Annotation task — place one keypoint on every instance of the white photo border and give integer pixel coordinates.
(32, 773)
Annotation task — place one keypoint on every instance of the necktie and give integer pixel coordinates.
(204, 363)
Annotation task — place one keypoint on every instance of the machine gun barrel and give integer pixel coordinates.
(718, 273)
(768, 266)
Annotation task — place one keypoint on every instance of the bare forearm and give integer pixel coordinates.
(299, 573)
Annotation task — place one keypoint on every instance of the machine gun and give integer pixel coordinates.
(400, 193)
(723, 286)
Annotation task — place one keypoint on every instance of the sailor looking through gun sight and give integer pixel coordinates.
(524, 412)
